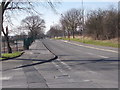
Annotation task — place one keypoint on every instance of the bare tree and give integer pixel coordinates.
(72, 19)
(102, 24)
(34, 24)
(118, 21)
(7, 5)
(55, 31)
(65, 27)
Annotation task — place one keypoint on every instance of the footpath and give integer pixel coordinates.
(20, 72)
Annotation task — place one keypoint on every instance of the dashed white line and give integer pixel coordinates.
(86, 80)
(97, 55)
(5, 78)
(60, 69)
(64, 73)
(92, 72)
(102, 56)
(65, 64)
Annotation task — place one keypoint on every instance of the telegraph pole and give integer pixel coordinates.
(82, 20)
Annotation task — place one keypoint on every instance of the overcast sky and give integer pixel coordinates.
(52, 18)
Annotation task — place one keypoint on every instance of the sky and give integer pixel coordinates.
(51, 17)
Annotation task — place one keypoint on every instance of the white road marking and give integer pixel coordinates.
(5, 78)
(102, 56)
(65, 74)
(86, 80)
(98, 55)
(60, 69)
(65, 64)
(92, 72)
(92, 47)
(18, 69)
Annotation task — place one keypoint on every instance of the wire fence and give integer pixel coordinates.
(15, 46)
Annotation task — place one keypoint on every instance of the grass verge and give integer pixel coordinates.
(10, 55)
(94, 42)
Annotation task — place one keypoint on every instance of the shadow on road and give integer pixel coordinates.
(33, 64)
(80, 62)
(37, 49)
(29, 59)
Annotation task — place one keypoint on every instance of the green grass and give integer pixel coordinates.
(94, 42)
(11, 55)
(1, 58)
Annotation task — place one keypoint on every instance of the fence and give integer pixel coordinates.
(27, 42)
(18, 44)
(15, 46)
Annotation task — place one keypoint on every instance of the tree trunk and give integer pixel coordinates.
(0, 27)
(8, 45)
(7, 40)
(64, 34)
(68, 34)
(73, 34)
(2, 9)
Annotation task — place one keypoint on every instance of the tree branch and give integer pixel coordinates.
(16, 8)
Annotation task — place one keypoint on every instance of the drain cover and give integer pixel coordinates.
(36, 53)
(62, 76)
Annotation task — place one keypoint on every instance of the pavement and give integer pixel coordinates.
(76, 66)
(20, 72)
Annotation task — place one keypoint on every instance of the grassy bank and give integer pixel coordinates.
(109, 43)
(10, 55)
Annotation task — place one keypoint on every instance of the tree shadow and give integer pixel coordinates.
(37, 49)
(33, 64)
(100, 64)
(80, 62)
(29, 59)
(96, 60)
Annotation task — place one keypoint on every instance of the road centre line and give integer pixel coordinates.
(97, 55)
(60, 69)
(65, 64)
(102, 56)
(63, 72)
(91, 47)
(5, 78)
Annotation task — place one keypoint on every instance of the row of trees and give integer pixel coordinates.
(103, 24)
(98, 24)
(55, 31)
(69, 21)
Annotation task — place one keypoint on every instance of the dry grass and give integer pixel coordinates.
(115, 40)
(89, 40)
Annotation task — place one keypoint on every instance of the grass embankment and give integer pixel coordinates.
(109, 43)
(10, 55)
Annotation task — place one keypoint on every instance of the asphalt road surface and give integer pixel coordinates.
(77, 66)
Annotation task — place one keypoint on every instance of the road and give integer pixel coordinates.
(77, 66)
